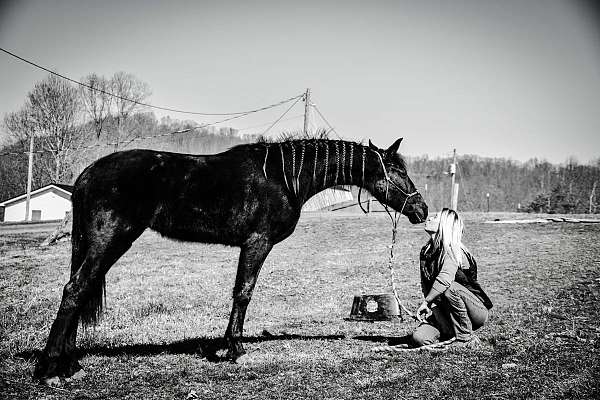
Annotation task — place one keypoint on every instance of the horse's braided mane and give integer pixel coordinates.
(300, 139)
(295, 138)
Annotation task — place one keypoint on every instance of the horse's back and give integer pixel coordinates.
(208, 198)
(131, 184)
(140, 174)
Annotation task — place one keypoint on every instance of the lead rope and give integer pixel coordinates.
(440, 346)
(395, 218)
(434, 347)
(391, 260)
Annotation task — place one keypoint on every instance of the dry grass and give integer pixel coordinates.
(166, 299)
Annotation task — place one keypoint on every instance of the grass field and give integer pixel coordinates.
(167, 300)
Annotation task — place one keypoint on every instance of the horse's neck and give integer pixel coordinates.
(312, 166)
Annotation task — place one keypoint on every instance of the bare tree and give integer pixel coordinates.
(96, 100)
(52, 113)
(130, 91)
(13, 172)
(56, 110)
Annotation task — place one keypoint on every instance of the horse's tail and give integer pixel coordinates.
(95, 297)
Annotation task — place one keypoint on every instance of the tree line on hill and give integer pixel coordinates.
(73, 126)
(532, 186)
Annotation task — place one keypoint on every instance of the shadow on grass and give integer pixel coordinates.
(206, 347)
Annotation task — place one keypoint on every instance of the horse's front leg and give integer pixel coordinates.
(252, 256)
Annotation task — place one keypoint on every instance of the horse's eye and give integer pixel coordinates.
(399, 171)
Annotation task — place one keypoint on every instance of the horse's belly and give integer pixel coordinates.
(195, 225)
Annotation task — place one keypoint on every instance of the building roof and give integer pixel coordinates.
(68, 189)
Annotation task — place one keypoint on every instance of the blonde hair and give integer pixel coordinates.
(448, 237)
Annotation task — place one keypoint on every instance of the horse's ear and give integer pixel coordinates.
(393, 149)
(372, 146)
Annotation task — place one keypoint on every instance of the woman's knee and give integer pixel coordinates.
(479, 318)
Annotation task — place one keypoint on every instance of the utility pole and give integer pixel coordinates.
(29, 177)
(453, 188)
(306, 110)
(592, 197)
(116, 144)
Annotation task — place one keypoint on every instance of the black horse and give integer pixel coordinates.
(249, 196)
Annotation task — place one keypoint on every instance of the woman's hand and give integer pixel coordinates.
(423, 311)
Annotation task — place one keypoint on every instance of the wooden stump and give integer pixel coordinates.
(63, 231)
(375, 307)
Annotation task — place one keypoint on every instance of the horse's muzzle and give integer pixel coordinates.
(416, 210)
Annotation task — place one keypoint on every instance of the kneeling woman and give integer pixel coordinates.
(455, 305)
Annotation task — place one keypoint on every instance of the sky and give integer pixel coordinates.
(517, 79)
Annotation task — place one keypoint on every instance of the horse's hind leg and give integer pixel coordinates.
(252, 257)
(85, 288)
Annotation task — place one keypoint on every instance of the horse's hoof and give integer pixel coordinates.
(53, 382)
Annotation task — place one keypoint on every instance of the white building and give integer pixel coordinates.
(47, 203)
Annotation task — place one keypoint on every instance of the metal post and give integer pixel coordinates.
(488, 201)
(29, 178)
(306, 110)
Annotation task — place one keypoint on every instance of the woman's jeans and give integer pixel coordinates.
(458, 313)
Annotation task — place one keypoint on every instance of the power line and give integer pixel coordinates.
(331, 128)
(145, 104)
(268, 123)
(138, 138)
(193, 128)
(282, 115)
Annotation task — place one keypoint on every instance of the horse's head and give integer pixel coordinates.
(392, 186)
